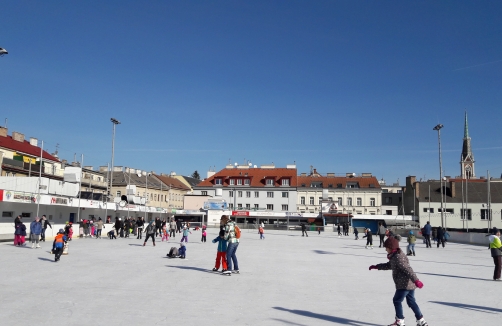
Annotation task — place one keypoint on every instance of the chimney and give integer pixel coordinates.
(452, 188)
(303, 174)
(18, 136)
(330, 174)
(3, 132)
(64, 162)
(33, 142)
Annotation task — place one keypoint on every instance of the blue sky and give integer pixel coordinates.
(344, 86)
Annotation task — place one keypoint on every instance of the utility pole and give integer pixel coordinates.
(438, 129)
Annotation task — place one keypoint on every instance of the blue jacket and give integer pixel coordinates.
(182, 250)
(427, 229)
(222, 244)
(36, 228)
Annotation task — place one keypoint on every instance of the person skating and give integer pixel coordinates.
(139, 224)
(204, 235)
(150, 233)
(304, 229)
(411, 244)
(495, 248)
(58, 245)
(427, 234)
(35, 231)
(165, 234)
(440, 236)
(172, 228)
(186, 231)
(261, 231)
(232, 235)
(45, 224)
(369, 238)
(19, 234)
(381, 233)
(221, 253)
(405, 279)
(182, 251)
(338, 228)
(356, 233)
(100, 226)
(158, 226)
(119, 227)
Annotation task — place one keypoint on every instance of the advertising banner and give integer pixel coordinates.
(215, 205)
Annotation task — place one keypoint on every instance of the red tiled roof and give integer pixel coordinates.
(364, 182)
(25, 147)
(257, 176)
(172, 182)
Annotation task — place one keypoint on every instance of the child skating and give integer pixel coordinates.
(58, 244)
(369, 236)
(411, 244)
(186, 231)
(204, 235)
(356, 233)
(261, 231)
(405, 279)
(221, 254)
(182, 251)
(165, 234)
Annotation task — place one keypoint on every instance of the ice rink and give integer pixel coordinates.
(285, 279)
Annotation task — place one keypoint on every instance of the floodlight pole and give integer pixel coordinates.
(438, 129)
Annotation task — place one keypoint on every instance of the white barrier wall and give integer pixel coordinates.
(7, 231)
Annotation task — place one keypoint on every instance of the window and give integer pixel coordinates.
(359, 201)
(388, 200)
(256, 206)
(285, 194)
(330, 198)
(284, 207)
(349, 201)
(248, 206)
(248, 194)
(232, 182)
(285, 182)
(485, 215)
(119, 193)
(339, 185)
(388, 212)
(320, 201)
(270, 182)
(7, 214)
(246, 182)
(330, 185)
(230, 193)
(302, 200)
(340, 201)
(239, 193)
(239, 182)
(270, 194)
(231, 206)
(312, 201)
(218, 181)
(426, 210)
(239, 206)
(303, 185)
(466, 213)
(26, 215)
(270, 207)
(352, 185)
(256, 194)
(372, 202)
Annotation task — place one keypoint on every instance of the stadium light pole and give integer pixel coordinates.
(438, 128)
(115, 123)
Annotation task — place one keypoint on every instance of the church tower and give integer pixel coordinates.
(466, 158)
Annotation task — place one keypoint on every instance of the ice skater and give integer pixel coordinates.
(221, 254)
(411, 244)
(58, 244)
(495, 248)
(356, 233)
(261, 231)
(182, 251)
(204, 235)
(405, 279)
(186, 231)
(381, 233)
(339, 230)
(150, 233)
(304, 229)
(369, 238)
(165, 234)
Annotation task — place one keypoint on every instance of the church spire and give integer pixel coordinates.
(466, 127)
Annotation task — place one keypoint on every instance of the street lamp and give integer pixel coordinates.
(115, 123)
(438, 128)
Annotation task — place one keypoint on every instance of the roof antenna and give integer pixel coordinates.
(5, 123)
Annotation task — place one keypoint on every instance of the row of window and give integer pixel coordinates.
(359, 201)
(270, 194)
(270, 207)
(484, 214)
(247, 182)
(155, 197)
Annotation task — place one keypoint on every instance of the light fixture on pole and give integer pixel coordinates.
(438, 128)
(115, 123)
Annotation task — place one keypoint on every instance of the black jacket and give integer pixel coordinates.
(139, 223)
(440, 234)
(369, 234)
(47, 223)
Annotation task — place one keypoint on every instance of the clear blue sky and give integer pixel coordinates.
(345, 86)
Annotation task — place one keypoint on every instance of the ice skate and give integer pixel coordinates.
(422, 322)
(398, 322)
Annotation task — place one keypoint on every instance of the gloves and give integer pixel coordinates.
(419, 284)
(373, 267)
